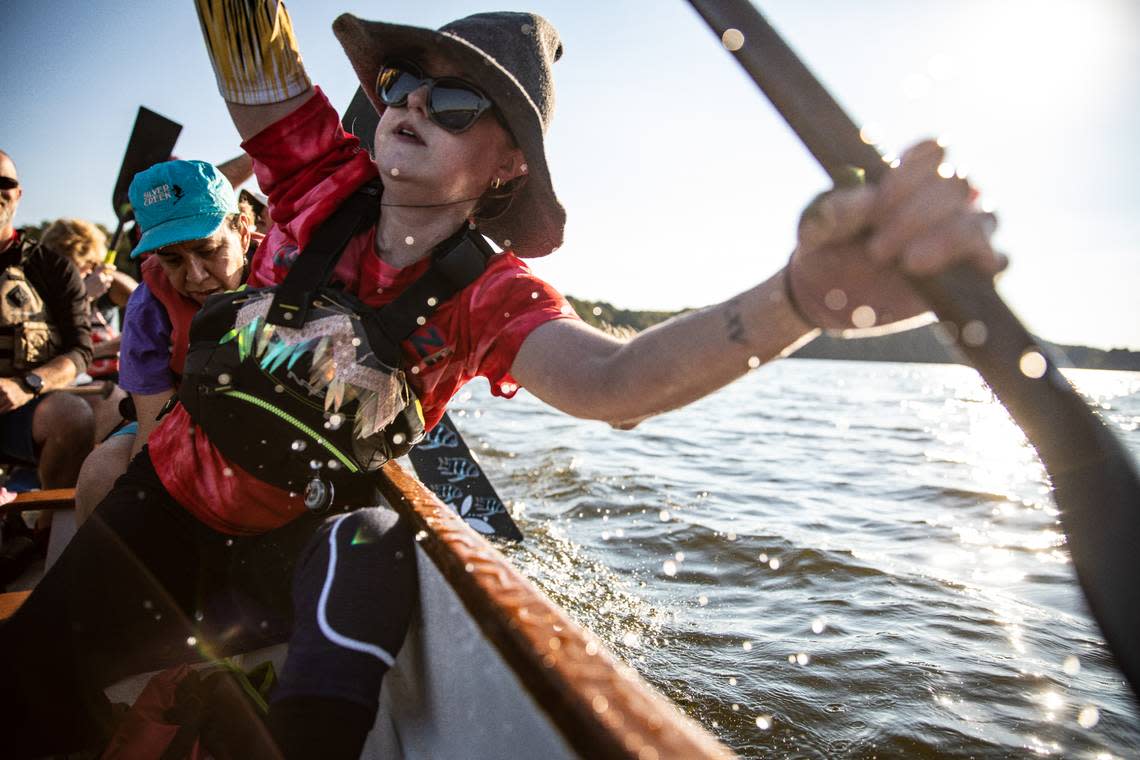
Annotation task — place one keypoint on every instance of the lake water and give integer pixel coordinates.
(826, 559)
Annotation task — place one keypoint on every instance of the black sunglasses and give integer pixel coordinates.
(9, 183)
(452, 103)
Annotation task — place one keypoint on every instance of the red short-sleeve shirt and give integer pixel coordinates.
(308, 166)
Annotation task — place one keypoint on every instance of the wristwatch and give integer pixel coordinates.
(34, 383)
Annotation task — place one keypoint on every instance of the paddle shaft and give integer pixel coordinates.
(1095, 483)
(100, 388)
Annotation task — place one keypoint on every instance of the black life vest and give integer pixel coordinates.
(301, 384)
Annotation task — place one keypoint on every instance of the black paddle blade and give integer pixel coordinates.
(1095, 481)
(445, 465)
(361, 118)
(152, 141)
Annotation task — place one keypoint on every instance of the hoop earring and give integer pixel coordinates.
(496, 183)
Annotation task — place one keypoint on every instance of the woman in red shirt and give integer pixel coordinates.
(463, 112)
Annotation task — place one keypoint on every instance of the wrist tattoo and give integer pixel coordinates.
(734, 323)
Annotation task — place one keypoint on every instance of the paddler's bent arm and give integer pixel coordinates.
(256, 62)
(587, 373)
(147, 408)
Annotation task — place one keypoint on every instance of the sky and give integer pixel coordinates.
(681, 184)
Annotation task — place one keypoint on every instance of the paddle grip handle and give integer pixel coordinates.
(1095, 482)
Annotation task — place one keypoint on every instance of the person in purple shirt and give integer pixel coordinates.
(145, 353)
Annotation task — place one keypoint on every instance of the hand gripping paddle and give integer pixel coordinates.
(1095, 482)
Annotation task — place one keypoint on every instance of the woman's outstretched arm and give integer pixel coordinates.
(846, 273)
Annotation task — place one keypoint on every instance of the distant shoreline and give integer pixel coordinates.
(924, 345)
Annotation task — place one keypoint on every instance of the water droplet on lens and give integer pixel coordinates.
(333, 464)
(863, 317)
(314, 464)
(735, 707)
(753, 362)
(224, 379)
(398, 438)
(1089, 716)
(664, 516)
(335, 421)
(395, 172)
(191, 641)
(835, 299)
(702, 600)
(228, 472)
(679, 556)
(802, 658)
(974, 333)
(432, 301)
(1071, 665)
(409, 240)
(1033, 365)
(534, 295)
(746, 646)
(763, 722)
(597, 311)
(298, 445)
(669, 568)
(774, 563)
(818, 625)
(732, 681)
(732, 39)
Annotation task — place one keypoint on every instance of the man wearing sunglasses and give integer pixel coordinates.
(45, 342)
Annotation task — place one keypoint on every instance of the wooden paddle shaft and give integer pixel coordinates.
(1095, 482)
(102, 389)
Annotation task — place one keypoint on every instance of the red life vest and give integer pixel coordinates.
(179, 308)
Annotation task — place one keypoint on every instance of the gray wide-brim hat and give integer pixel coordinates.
(508, 56)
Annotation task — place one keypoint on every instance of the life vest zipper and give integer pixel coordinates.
(301, 426)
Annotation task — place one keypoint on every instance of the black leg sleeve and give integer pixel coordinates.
(354, 590)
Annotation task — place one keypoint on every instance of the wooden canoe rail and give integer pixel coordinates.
(52, 498)
(57, 498)
(602, 707)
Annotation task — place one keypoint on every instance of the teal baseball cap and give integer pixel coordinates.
(176, 201)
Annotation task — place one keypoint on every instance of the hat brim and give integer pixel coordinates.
(178, 231)
(533, 225)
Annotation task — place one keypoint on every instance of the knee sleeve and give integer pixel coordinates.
(353, 595)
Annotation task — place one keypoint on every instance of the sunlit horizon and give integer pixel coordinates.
(681, 184)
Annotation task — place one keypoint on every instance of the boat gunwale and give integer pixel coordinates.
(603, 708)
